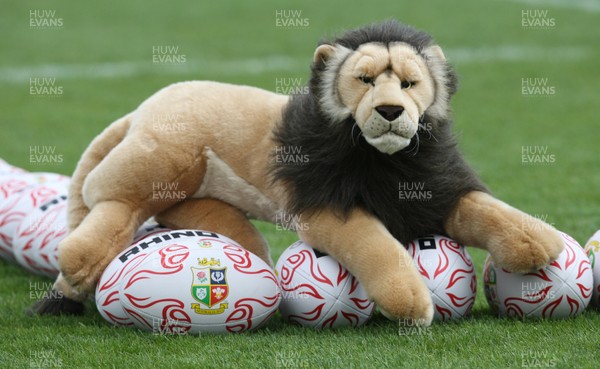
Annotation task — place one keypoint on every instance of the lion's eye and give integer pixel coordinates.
(366, 80)
(407, 84)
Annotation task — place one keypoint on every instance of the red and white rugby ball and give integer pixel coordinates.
(592, 249)
(560, 290)
(318, 291)
(7, 169)
(21, 194)
(197, 282)
(448, 271)
(35, 242)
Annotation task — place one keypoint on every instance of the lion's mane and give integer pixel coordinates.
(343, 171)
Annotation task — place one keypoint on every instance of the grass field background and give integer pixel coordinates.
(102, 57)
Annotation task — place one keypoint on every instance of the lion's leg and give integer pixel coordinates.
(93, 155)
(137, 179)
(64, 298)
(516, 240)
(363, 245)
(105, 231)
(217, 216)
(85, 253)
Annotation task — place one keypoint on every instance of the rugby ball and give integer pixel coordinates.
(448, 271)
(560, 290)
(319, 292)
(7, 169)
(22, 194)
(592, 249)
(149, 228)
(13, 183)
(192, 282)
(107, 298)
(35, 242)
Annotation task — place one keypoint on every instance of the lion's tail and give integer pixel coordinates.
(92, 156)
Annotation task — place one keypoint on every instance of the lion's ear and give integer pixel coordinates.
(436, 52)
(323, 53)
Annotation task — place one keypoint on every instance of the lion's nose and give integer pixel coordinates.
(389, 112)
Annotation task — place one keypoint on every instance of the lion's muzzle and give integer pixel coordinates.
(389, 128)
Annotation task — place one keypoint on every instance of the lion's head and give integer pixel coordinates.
(386, 76)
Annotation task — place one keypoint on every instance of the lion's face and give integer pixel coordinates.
(386, 89)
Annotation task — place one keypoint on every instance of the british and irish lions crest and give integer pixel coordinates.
(209, 288)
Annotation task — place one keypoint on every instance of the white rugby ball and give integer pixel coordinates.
(35, 242)
(560, 290)
(448, 271)
(149, 228)
(11, 184)
(318, 291)
(25, 193)
(592, 249)
(7, 169)
(196, 282)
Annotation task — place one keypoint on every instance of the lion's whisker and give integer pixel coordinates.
(415, 148)
(352, 133)
(431, 135)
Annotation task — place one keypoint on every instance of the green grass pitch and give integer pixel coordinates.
(101, 56)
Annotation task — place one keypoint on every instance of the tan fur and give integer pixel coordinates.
(96, 151)
(119, 188)
(517, 241)
(219, 217)
(373, 61)
(217, 155)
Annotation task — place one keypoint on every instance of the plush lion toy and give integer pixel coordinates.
(376, 118)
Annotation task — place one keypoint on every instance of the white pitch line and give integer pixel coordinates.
(512, 53)
(255, 66)
(131, 69)
(584, 5)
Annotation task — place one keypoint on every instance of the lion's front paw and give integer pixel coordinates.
(81, 266)
(530, 248)
(407, 299)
